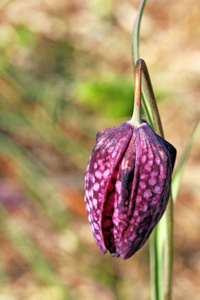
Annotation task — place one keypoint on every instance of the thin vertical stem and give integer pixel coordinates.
(136, 32)
(169, 251)
(161, 244)
(135, 56)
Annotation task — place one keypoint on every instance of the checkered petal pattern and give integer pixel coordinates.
(127, 186)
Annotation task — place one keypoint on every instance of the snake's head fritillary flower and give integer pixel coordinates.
(127, 181)
(127, 186)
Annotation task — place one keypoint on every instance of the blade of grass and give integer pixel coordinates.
(176, 180)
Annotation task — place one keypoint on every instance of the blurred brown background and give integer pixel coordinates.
(65, 74)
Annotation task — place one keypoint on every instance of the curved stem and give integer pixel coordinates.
(141, 72)
(136, 118)
(141, 69)
(149, 102)
(135, 56)
(152, 101)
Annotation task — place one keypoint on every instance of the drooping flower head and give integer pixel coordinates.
(127, 186)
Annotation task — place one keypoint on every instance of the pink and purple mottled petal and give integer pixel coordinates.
(147, 204)
(109, 148)
(127, 186)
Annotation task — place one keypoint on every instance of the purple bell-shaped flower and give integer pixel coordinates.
(127, 186)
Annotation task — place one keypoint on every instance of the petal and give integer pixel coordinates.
(148, 163)
(102, 164)
(170, 148)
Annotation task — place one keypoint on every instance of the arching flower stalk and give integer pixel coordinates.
(127, 181)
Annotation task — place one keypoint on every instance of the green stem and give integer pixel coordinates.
(135, 55)
(136, 32)
(162, 237)
(155, 266)
(136, 118)
(169, 251)
(142, 71)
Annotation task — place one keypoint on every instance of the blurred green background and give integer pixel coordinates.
(65, 74)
